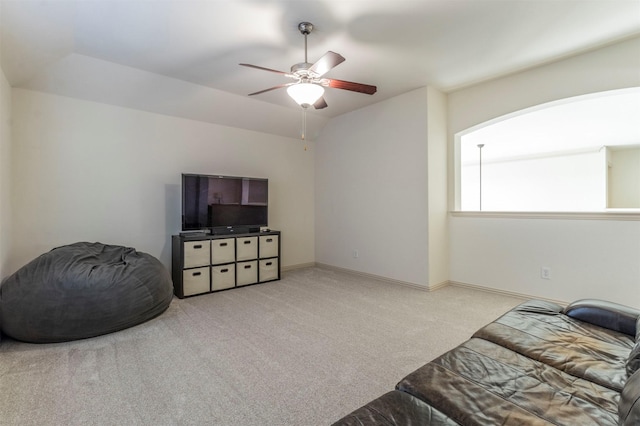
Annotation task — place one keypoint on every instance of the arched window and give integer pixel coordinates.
(575, 155)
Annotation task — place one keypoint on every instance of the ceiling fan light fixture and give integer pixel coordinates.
(305, 94)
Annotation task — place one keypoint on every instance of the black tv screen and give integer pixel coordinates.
(214, 202)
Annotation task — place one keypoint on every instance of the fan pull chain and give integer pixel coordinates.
(304, 126)
(303, 135)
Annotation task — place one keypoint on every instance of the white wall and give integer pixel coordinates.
(371, 190)
(624, 178)
(437, 188)
(5, 170)
(85, 171)
(609, 68)
(569, 183)
(588, 258)
(5, 174)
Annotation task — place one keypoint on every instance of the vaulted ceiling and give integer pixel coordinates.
(180, 57)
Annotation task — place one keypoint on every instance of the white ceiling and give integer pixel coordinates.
(180, 57)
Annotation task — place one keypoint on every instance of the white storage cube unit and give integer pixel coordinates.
(268, 246)
(269, 269)
(246, 248)
(197, 253)
(195, 281)
(247, 273)
(223, 251)
(203, 263)
(223, 276)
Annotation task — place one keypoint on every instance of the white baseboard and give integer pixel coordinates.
(434, 287)
(505, 293)
(298, 266)
(377, 277)
(438, 286)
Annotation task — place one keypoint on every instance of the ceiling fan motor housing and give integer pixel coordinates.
(301, 70)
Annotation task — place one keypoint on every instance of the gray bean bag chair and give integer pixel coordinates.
(83, 290)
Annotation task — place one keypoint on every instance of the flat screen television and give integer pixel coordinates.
(224, 204)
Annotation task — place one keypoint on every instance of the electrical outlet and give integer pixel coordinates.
(355, 254)
(545, 273)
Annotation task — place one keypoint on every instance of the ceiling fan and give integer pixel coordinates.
(309, 86)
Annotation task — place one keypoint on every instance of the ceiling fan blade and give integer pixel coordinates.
(354, 87)
(326, 62)
(279, 86)
(320, 103)
(263, 68)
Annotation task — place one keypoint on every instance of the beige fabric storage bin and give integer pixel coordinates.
(268, 269)
(197, 253)
(268, 246)
(223, 276)
(195, 281)
(223, 251)
(247, 273)
(247, 248)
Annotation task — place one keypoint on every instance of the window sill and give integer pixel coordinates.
(610, 214)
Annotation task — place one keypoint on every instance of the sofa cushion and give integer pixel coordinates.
(629, 407)
(395, 408)
(480, 383)
(581, 349)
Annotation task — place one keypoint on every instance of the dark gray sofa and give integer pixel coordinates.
(539, 363)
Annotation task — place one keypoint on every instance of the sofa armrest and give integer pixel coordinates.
(605, 314)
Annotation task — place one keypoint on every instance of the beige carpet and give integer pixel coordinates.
(305, 350)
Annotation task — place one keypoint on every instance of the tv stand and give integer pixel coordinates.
(204, 263)
(231, 230)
